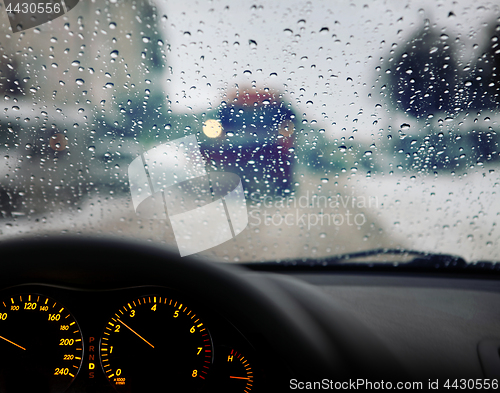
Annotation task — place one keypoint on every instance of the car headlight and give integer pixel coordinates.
(212, 128)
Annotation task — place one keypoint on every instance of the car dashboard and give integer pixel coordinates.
(101, 315)
(125, 339)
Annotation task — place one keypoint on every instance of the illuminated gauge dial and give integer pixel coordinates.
(40, 345)
(237, 374)
(155, 343)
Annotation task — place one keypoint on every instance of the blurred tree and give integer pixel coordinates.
(10, 83)
(423, 74)
(109, 55)
(482, 83)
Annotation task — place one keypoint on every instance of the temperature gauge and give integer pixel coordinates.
(238, 374)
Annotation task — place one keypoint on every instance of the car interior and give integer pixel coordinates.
(355, 246)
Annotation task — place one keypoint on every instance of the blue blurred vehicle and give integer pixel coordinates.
(252, 135)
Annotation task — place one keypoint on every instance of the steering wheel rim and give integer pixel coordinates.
(322, 342)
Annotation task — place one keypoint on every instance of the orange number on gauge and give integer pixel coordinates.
(66, 341)
(61, 371)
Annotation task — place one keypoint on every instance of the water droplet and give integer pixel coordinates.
(91, 148)
(114, 54)
(324, 180)
(405, 126)
(79, 82)
(112, 25)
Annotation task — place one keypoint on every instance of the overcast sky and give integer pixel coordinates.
(322, 54)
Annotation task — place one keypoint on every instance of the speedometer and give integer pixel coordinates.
(40, 345)
(156, 342)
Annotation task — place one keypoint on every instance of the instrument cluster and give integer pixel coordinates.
(126, 340)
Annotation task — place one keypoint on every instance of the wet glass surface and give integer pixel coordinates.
(352, 126)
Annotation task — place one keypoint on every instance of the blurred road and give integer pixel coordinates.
(444, 213)
(321, 219)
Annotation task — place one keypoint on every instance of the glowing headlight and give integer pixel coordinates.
(212, 128)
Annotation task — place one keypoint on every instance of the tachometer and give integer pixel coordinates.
(156, 342)
(40, 345)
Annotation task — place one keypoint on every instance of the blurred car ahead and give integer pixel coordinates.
(252, 135)
(44, 154)
(54, 153)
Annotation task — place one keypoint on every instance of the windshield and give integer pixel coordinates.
(253, 132)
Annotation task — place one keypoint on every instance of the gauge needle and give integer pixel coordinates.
(237, 377)
(3, 338)
(137, 334)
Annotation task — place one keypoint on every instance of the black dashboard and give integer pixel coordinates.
(143, 319)
(97, 343)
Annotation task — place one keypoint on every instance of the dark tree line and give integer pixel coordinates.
(424, 76)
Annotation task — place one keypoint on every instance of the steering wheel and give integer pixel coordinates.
(304, 328)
